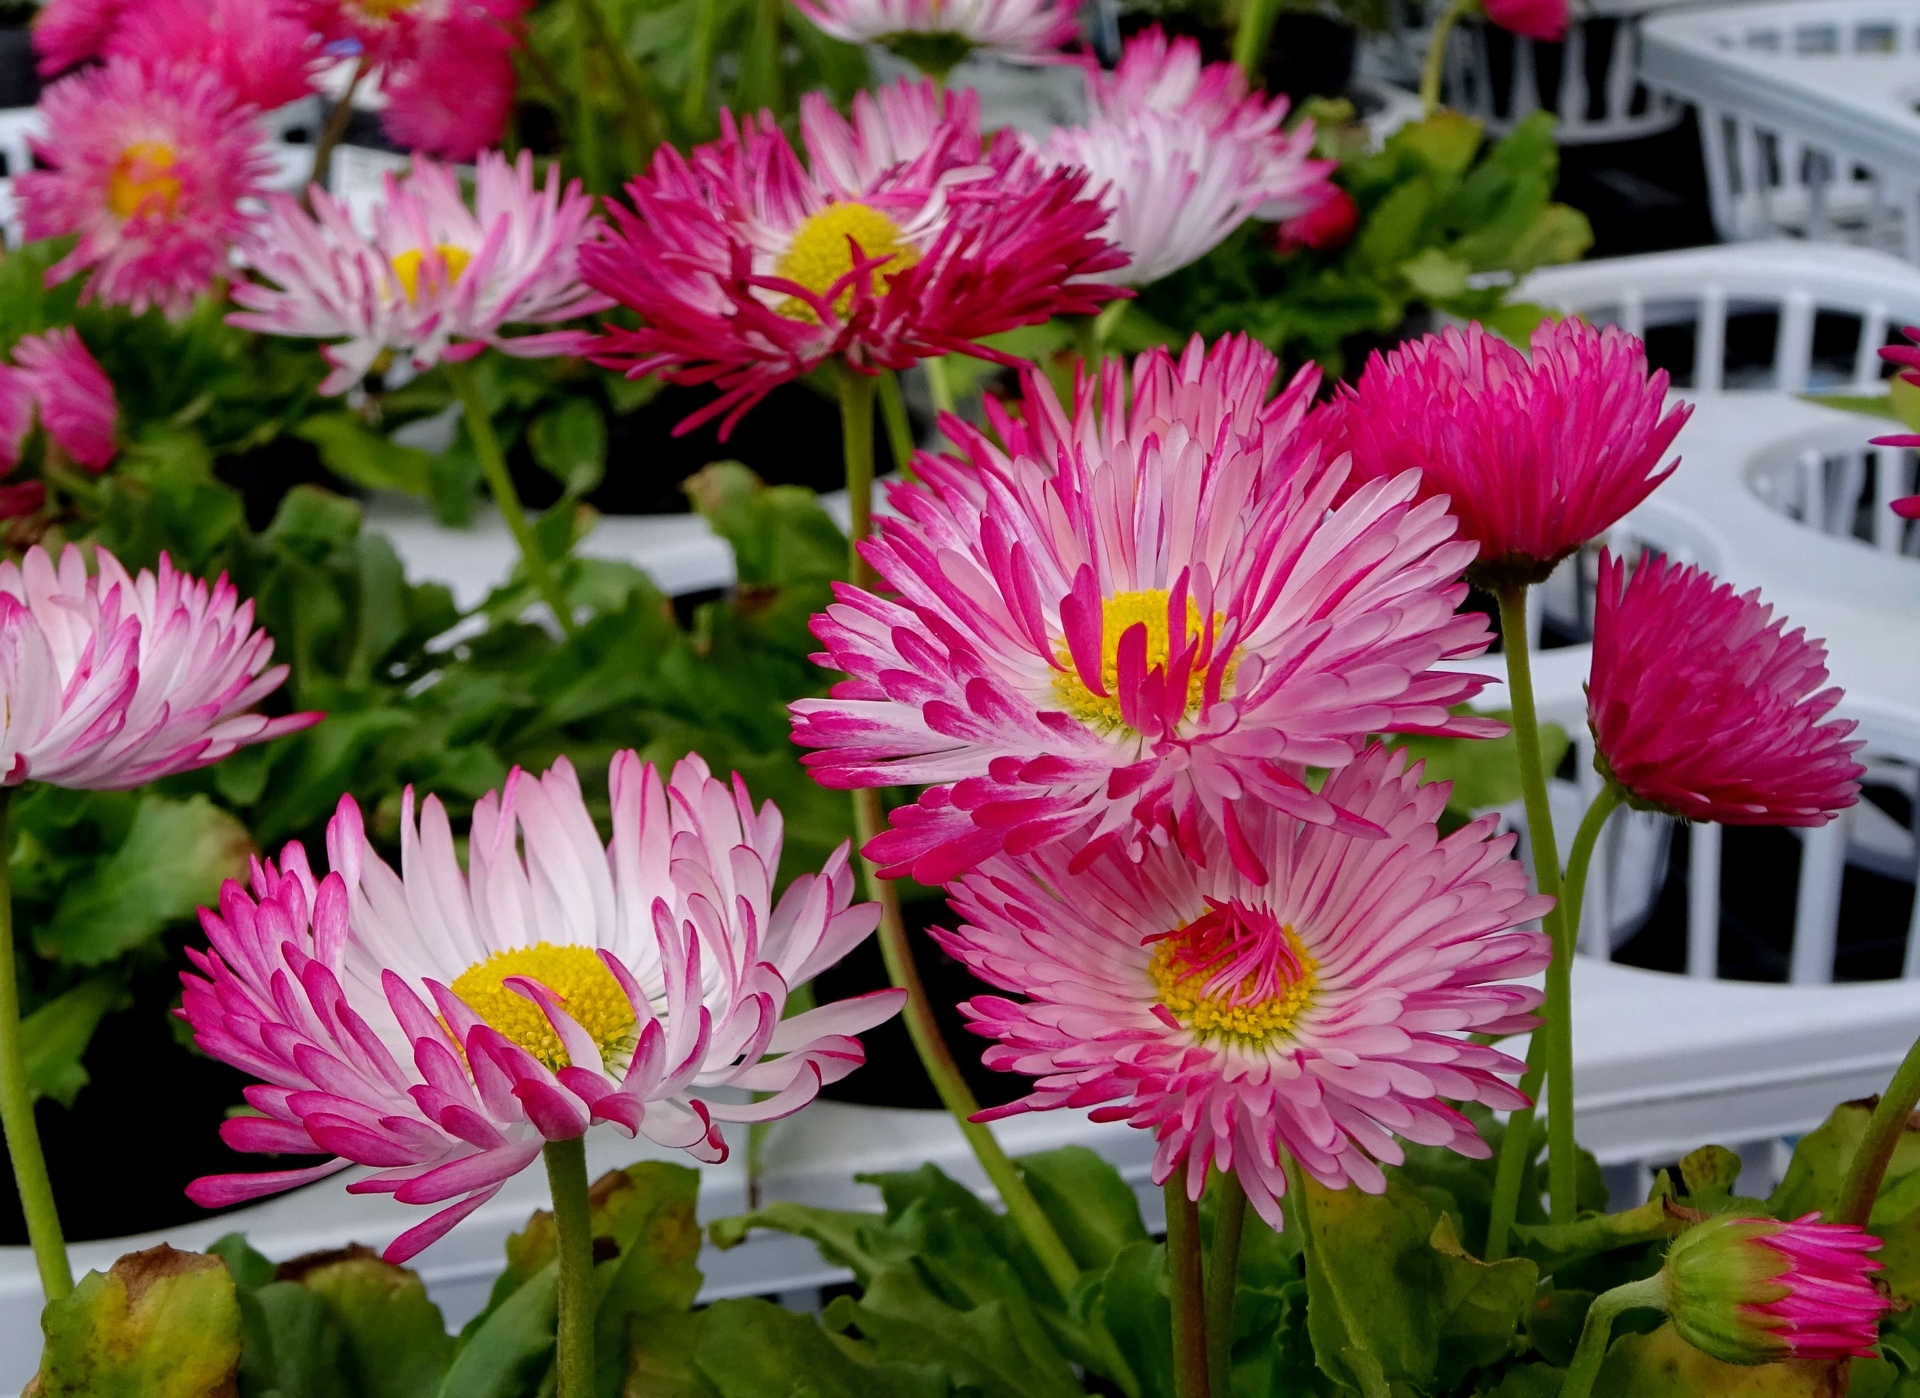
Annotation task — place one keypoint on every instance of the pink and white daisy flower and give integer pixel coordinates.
(74, 394)
(110, 681)
(944, 31)
(901, 238)
(146, 167)
(436, 280)
(442, 1024)
(261, 49)
(1322, 1012)
(1132, 617)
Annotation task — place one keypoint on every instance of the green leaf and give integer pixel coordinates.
(1129, 1303)
(1445, 142)
(1484, 771)
(648, 1212)
(1095, 1211)
(1662, 1365)
(511, 1346)
(754, 1349)
(354, 452)
(1482, 1306)
(1558, 1246)
(396, 1340)
(57, 1034)
(570, 443)
(294, 1346)
(1434, 275)
(779, 534)
(1373, 1283)
(172, 861)
(159, 1324)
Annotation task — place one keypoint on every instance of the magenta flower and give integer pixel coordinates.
(1323, 1011)
(442, 1024)
(1907, 507)
(1534, 458)
(436, 280)
(452, 95)
(1703, 706)
(1325, 228)
(75, 396)
(1535, 19)
(1016, 29)
(113, 681)
(388, 32)
(1757, 1291)
(69, 32)
(1133, 617)
(261, 49)
(901, 238)
(147, 168)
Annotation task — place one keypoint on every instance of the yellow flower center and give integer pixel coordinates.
(380, 11)
(444, 269)
(822, 252)
(1235, 973)
(1120, 613)
(143, 182)
(580, 978)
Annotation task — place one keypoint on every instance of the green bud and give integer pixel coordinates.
(1716, 1274)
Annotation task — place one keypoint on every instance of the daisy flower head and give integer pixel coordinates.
(451, 96)
(1759, 1291)
(934, 35)
(901, 237)
(146, 167)
(1114, 624)
(443, 1023)
(1321, 1012)
(436, 280)
(386, 32)
(110, 681)
(261, 49)
(1535, 453)
(75, 396)
(67, 33)
(1704, 705)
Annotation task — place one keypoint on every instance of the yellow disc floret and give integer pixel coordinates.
(822, 252)
(143, 181)
(449, 262)
(1119, 614)
(574, 973)
(1234, 974)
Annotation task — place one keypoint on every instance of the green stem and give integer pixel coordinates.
(856, 422)
(16, 1102)
(336, 126)
(937, 384)
(1861, 1187)
(1650, 1292)
(573, 1234)
(1515, 1148)
(493, 465)
(1183, 1275)
(893, 412)
(1437, 52)
(1250, 37)
(1086, 342)
(1574, 890)
(693, 102)
(1558, 1028)
(1223, 1280)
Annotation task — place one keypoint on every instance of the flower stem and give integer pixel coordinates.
(1574, 890)
(1514, 1150)
(336, 126)
(856, 423)
(1223, 1280)
(1598, 1331)
(493, 465)
(1250, 37)
(1861, 1187)
(693, 102)
(1431, 72)
(16, 1102)
(573, 1235)
(1558, 1028)
(937, 384)
(893, 412)
(1183, 1275)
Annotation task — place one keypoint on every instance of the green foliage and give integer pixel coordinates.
(1485, 772)
(1443, 225)
(159, 1324)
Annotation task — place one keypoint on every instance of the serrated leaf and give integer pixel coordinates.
(1373, 1282)
(1094, 1210)
(159, 1324)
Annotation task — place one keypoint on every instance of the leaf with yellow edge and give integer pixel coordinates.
(159, 1324)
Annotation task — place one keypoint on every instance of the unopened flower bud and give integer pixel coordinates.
(1755, 1290)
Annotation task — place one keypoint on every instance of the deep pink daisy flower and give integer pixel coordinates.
(949, 29)
(1132, 617)
(451, 96)
(1535, 457)
(74, 394)
(1703, 705)
(443, 1023)
(261, 49)
(901, 238)
(1322, 1012)
(390, 31)
(436, 280)
(1535, 19)
(147, 168)
(110, 681)
(69, 32)
(1758, 1291)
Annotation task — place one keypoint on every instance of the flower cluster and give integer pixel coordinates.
(1185, 155)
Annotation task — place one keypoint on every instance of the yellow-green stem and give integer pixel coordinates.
(573, 1242)
(1250, 37)
(937, 385)
(856, 424)
(1223, 1280)
(16, 1102)
(1861, 1186)
(1649, 1292)
(493, 465)
(693, 103)
(1515, 1147)
(1184, 1285)
(1558, 1028)
(893, 412)
(1436, 62)
(1574, 890)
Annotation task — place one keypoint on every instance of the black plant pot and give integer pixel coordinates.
(19, 77)
(1309, 55)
